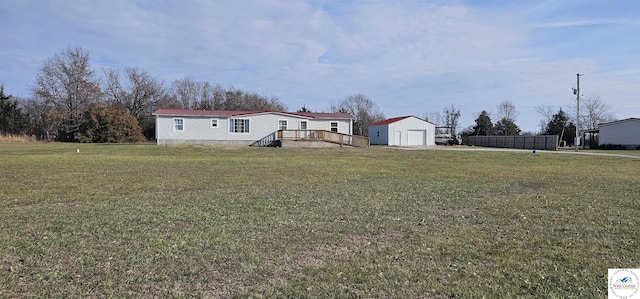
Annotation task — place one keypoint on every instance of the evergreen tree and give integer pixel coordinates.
(506, 127)
(12, 120)
(303, 109)
(560, 125)
(483, 126)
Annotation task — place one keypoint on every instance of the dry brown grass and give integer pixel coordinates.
(17, 138)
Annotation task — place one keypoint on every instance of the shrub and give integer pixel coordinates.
(103, 123)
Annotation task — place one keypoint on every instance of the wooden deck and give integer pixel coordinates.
(323, 136)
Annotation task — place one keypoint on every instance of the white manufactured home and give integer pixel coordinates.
(403, 131)
(244, 127)
(624, 132)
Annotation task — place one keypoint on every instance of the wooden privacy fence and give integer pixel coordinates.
(326, 136)
(541, 142)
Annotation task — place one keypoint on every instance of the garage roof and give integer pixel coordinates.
(395, 119)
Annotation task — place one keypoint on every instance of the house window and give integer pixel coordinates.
(214, 123)
(237, 125)
(303, 125)
(334, 126)
(178, 124)
(282, 124)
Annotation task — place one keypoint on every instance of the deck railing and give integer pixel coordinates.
(269, 140)
(326, 136)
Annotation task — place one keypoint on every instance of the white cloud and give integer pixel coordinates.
(586, 22)
(410, 57)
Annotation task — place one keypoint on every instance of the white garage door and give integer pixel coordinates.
(417, 137)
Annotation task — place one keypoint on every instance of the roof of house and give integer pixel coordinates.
(619, 121)
(395, 119)
(228, 113)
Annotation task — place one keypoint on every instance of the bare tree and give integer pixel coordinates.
(546, 112)
(507, 113)
(233, 99)
(507, 110)
(195, 94)
(67, 84)
(186, 92)
(594, 111)
(205, 101)
(363, 109)
(36, 112)
(192, 94)
(219, 97)
(436, 118)
(138, 94)
(451, 116)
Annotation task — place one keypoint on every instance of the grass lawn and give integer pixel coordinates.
(613, 152)
(155, 221)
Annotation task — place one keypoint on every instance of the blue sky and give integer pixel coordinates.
(409, 57)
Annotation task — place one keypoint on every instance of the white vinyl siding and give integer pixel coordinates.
(622, 132)
(408, 131)
(197, 128)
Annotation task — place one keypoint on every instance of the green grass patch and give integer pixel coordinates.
(155, 221)
(613, 152)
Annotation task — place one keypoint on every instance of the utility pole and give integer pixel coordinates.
(577, 91)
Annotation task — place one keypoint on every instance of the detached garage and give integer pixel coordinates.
(624, 132)
(403, 131)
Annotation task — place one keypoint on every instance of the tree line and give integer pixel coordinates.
(593, 110)
(447, 121)
(71, 102)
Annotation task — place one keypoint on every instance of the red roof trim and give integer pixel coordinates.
(228, 113)
(389, 121)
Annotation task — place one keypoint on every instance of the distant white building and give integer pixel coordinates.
(624, 132)
(403, 131)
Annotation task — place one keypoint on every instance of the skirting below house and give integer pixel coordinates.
(204, 142)
(308, 143)
(620, 146)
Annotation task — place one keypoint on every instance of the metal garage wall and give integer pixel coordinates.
(411, 124)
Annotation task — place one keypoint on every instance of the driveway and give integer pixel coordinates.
(480, 148)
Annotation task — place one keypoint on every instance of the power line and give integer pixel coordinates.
(577, 93)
